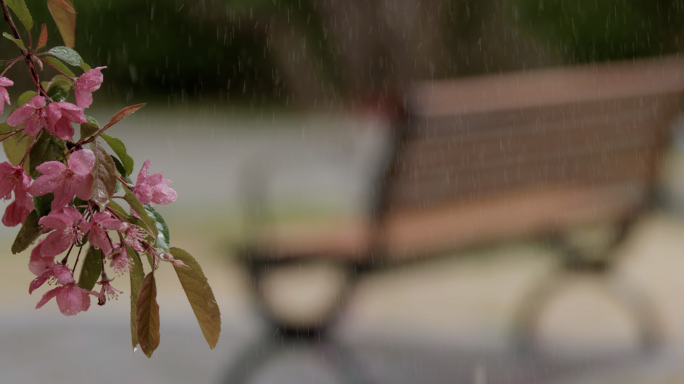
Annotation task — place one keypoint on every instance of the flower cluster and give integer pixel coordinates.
(73, 218)
(67, 192)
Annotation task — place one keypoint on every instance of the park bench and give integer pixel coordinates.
(540, 153)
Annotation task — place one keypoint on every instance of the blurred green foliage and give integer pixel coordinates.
(599, 30)
(208, 48)
(179, 47)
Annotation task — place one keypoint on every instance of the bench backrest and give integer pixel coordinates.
(473, 139)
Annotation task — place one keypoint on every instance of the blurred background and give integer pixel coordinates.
(295, 97)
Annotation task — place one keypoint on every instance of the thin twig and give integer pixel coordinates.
(24, 52)
(56, 69)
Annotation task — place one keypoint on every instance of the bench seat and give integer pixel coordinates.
(410, 234)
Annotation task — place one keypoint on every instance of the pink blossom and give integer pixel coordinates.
(121, 263)
(85, 85)
(70, 299)
(32, 114)
(4, 96)
(107, 292)
(15, 179)
(100, 224)
(152, 188)
(60, 115)
(133, 236)
(45, 268)
(65, 182)
(68, 228)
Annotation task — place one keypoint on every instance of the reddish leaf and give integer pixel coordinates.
(104, 177)
(199, 295)
(64, 14)
(147, 316)
(42, 39)
(137, 275)
(122, 114)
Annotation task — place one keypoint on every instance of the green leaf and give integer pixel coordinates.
(47, 148)
(4, 128)
(199, 295)
(28, 233)
(59, 65)
(118, 210)
(64, 15)
(147, 316)
(89, 127)
(67, 55)
(85, 67)
(136, 276)
(120, 149)
(18, 42)
(57, 93)
(43, 204)
(92, 268)
(25, 97)
(163, 240)
(140, 210)
(22, 12)
(119, 167)
(16, 146)
(104, 177)
(61, 81)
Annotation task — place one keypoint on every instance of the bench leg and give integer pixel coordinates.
(625, 292)
(306, 324)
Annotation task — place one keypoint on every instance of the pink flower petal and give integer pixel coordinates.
(20, 115)
(7, 180)
(51, 168)
(85, 85)
(73, 300)
(37, 102)
(34, 124)
(64, 194)
(39, 281)
(56, 243)
(39, 264)
(164, 195)
(63, 274)
(82, 162)
(143, 172)
(15, 214)
(5, 82)
(82, 187)
(49, 295)
(62, 129)
(4, 98)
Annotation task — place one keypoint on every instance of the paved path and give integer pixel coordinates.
(445, 320)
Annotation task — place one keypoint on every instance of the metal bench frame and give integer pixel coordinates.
(654, 82)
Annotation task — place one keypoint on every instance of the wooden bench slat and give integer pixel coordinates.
(423, 195)
(528, 212)
(498, 124)
(427, 157)
(532, 89)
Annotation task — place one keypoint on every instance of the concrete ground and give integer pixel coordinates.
(445, 320)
